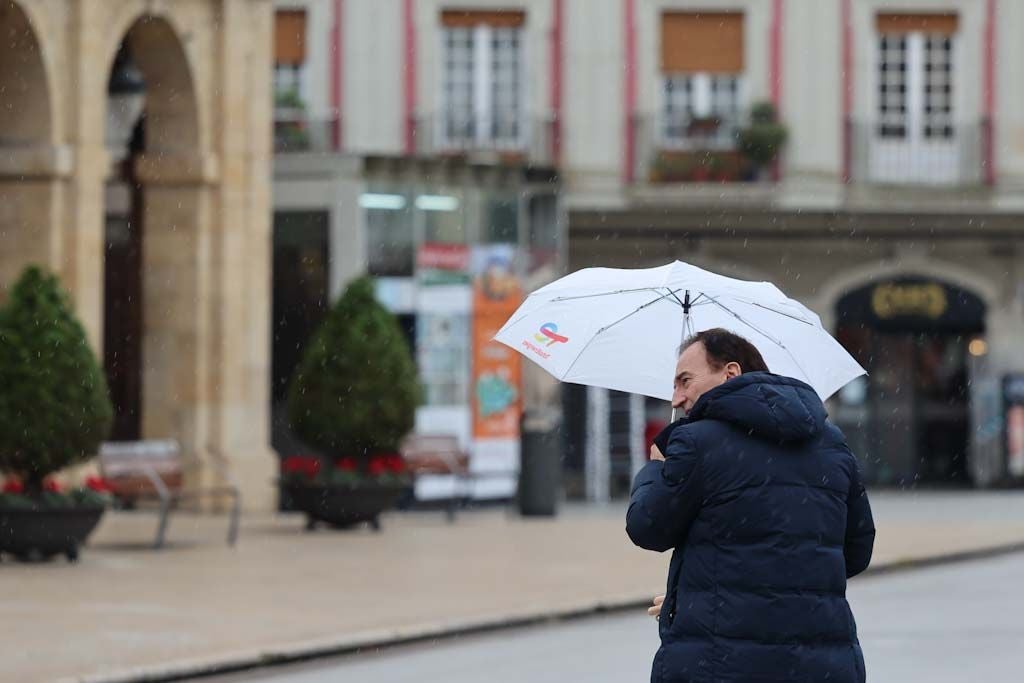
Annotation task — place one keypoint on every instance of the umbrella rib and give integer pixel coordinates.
(777, 312)
(762, 333)
(618, 291)
(663, 297)
(513, 322)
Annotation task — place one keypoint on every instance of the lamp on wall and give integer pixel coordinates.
(126, 99)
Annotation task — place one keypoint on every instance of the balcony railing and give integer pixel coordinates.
(698, 151)
(526, 139)
(955, 156)
(296, 131)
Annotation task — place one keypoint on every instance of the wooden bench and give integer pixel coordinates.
(153, 470)
(439, 454)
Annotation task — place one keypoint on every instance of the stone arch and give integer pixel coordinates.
(848, 280)
(172, 108)
(26, 105)
(166, 260)
(32, 165)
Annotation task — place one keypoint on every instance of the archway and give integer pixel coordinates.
(27, 179)
(153, 317)
(910, 417)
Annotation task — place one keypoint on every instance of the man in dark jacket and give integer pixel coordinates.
(761, 501)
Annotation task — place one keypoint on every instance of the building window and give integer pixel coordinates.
(702, 78)
(915, 76)
(482, 79)
(289, 57)
(892, 87)
(938, 86)
(390, 233)
(501, 219)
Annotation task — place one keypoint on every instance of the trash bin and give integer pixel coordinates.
(540, 473)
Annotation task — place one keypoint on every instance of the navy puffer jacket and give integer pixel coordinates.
(762, 502)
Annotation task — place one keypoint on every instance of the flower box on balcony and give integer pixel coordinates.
(700, 166)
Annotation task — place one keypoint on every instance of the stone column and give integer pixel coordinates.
(31, 195)
(241, 255)
(176, 296)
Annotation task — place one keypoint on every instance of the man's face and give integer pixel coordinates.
(694, 376)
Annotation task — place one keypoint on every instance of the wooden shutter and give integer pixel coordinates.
(925, 23)
(457, 18)
(290, 37)
(702, 41)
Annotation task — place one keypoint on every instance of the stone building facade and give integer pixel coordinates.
(160, 231)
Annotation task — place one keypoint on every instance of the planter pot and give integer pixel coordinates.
(342, 506)
(41, 533)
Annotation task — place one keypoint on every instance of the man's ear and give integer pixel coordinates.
(733, 369)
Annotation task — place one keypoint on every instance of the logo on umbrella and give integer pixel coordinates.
(549, 333)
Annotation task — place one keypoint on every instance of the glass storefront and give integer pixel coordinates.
(428, 244)
(909, 418)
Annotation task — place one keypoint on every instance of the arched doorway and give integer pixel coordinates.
(27, 190)
(152, 255)
(909, 419)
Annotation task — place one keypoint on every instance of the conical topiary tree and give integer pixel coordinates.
(55, 409)
(355, 392)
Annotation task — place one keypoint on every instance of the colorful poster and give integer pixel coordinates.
(496, 370)
(442, 264)
(1013, 397)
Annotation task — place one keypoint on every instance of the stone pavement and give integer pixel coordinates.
(125, 612)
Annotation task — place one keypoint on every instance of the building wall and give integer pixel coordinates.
(373, 76)
(593, 42)
(1009, 101)
(594, 116)
(811, 93)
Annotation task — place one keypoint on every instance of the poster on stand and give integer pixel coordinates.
(444, 302)
(1013, 401)
(496, 374)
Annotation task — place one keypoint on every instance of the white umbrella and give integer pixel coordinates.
(621, 328)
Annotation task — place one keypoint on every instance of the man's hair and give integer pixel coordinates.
(723, 347)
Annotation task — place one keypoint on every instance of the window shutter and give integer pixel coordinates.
(946, 24)
(290, 37)
(709, 42)
(494, 18)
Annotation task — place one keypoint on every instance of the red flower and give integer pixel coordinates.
(51, 486)
(97, 484)
(12, 486)
(378, 466)
(301, 464)
(346, 464)
(396, 464)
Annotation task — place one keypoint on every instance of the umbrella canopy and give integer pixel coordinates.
(621, 328)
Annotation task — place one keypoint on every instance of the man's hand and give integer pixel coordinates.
(655, 609)
(655, 453)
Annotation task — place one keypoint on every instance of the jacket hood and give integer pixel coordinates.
(772, 407)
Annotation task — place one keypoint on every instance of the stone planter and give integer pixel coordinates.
(41, 533)
(342, 506)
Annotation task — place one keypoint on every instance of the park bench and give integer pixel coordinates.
(154, 470)
(439, 454)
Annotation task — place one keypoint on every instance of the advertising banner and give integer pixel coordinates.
(1013, 400)
(497, 392)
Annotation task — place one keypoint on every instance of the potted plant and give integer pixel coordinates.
(702, 168)
(54, 412)
(669, 167)
(290, 131)
(353, 398)
(762, 140)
